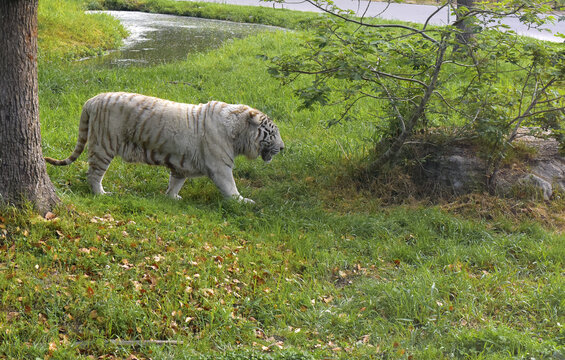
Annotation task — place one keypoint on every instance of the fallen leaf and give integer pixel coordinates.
(93, 314)
(207, 292)
(12, 315)
(50, 216)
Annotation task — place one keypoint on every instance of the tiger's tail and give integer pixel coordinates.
(81, 142)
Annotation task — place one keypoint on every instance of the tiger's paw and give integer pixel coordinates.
(243, 200)
(103, 193)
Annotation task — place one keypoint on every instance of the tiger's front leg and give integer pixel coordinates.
(176, 182)
(223, 178)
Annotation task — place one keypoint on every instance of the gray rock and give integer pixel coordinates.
(538, 183)
(458, 169)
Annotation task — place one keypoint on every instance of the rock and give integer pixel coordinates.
(539, 184)
(460, 173)
(457, 169)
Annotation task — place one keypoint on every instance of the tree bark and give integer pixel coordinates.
(23, 176)
(463, 22)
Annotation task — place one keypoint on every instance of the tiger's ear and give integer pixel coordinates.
(253, 117)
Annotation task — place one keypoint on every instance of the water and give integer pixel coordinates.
(157, 38)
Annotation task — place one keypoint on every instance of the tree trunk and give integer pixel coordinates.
(23, 176)
(394, 149)
(463, 22)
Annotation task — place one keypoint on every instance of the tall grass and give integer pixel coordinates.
(66, 32)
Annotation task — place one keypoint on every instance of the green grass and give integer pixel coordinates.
(245, 14)
(318, 269)
(66, 32)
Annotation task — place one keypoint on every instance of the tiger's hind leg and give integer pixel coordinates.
(98, 163)
(176, 181)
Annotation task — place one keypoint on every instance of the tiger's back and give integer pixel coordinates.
(137, 128)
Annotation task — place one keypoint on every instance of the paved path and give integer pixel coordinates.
(404, 12)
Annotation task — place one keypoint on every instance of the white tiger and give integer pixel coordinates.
(190, 140)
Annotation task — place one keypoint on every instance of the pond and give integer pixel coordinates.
(158, 38)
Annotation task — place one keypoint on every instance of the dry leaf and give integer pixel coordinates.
(93, 314)
(50, 216)
(207, 292)
(52, 346)
(12, 315)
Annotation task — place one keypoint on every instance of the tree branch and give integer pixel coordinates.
(519, 119)
(375, 71)
(397, 26)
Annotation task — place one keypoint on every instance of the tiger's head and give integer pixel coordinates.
(268, 139)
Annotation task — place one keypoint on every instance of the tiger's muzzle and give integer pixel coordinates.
(268, 153)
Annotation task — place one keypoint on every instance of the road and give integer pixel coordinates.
(404, 12)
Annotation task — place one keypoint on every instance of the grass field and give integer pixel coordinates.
(319, 268)
(66, 32)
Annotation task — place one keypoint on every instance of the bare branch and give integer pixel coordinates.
(432, 15)
(398, 77)
(396, 26)
(519, 119)
(346, 111)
